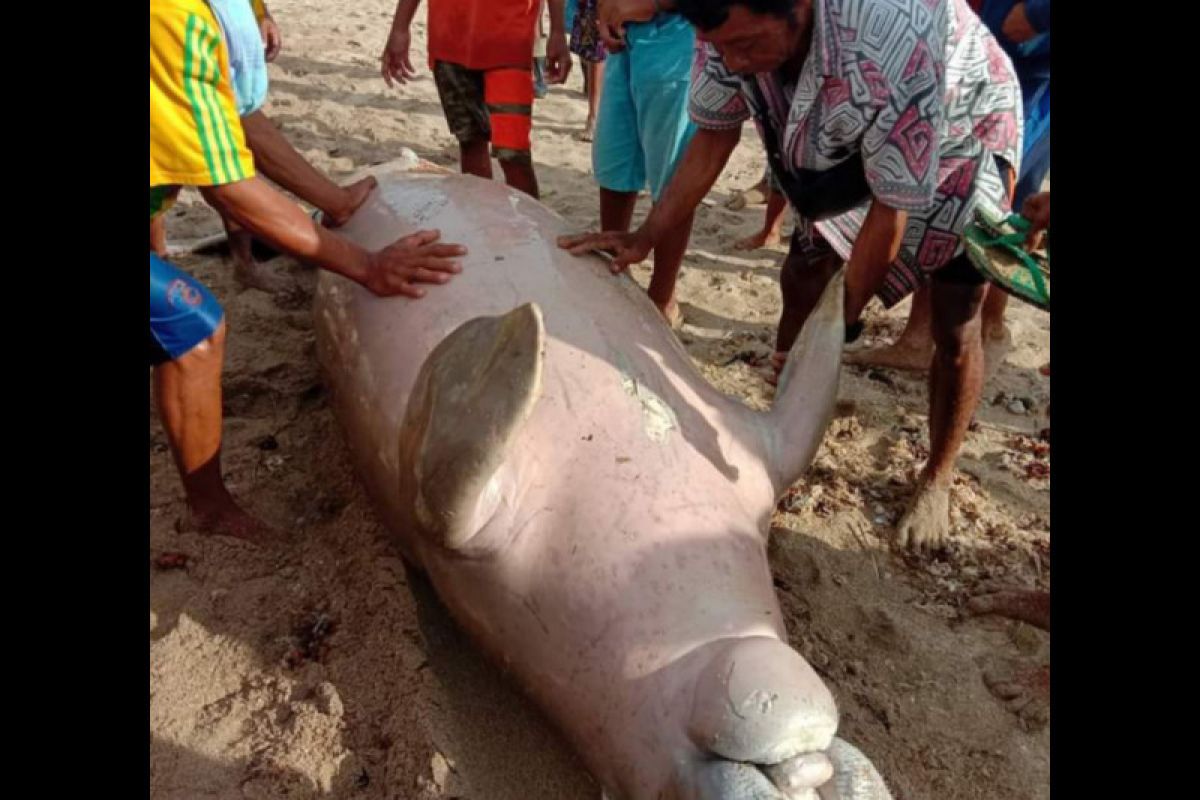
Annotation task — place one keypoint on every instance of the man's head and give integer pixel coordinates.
(751, 35)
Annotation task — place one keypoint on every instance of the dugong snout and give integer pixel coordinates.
(840, 773)
(758, 700)
(766, 721)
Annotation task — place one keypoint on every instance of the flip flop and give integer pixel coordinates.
(996, 248)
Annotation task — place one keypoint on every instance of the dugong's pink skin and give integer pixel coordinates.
(619, 567)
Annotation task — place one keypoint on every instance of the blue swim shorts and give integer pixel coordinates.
(183, 312)
(643, 127)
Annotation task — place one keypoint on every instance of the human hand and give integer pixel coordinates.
(395, 63)
(272, 38)
(416, 258)
(558, 58)
(611, 16)
(625, 248)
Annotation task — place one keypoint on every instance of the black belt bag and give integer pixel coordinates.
(815, 194)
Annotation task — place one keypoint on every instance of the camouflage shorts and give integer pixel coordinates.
(493, 105)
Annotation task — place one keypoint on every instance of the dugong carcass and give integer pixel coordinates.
(590, 509)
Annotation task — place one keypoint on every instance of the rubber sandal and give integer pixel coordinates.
(996, 248)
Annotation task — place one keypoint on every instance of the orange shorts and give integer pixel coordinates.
(494, 105)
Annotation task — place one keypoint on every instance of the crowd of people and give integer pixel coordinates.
(889, 128)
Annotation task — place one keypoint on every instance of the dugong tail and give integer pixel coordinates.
(807, 390)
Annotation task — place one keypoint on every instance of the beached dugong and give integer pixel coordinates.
(590, 509)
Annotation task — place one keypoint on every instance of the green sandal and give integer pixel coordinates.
(995, 247)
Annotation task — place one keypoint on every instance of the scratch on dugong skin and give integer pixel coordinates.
(658, 419)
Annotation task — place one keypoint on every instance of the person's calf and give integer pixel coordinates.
(158, 235)
(249, 273)
(802, 281)
(475, 159)
(519, 174)
(668, 258)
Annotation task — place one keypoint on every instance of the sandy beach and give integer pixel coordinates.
(326, 668)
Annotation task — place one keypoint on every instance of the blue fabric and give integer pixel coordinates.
(1031, 60)
(1038, 14)
(643, 126)
(183, 312)
(570, 8)
(247, 56)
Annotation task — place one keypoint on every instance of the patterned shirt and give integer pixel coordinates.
(918, 88)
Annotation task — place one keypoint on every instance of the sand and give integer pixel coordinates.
(324, 667)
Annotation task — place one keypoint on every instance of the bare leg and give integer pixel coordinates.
(955, 382)
(913, 350)
(246, 270)
(668, 257)
(474, 158)
(801, 282)
(616, 214)
(275, 157)
(758, 193)
(772, 223)
(520, 175)
(158, 235)
(997, 340)
(593, 80)
(188, 392)
(1020, 604)
(616, 209)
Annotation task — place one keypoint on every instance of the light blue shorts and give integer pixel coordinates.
(247, 56)
(643, 126)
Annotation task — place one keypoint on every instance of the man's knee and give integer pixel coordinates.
(207, 353)
(955, 340)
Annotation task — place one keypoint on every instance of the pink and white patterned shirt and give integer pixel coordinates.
(919, 89)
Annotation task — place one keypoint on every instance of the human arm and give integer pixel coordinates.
(396, 62)
(611, 16)
(698, 170)
(268, 214)
(875, 248)
(558, 53)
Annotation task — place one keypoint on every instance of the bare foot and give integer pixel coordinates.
(1021, 604)
(231, 520)
(672, 313)
(756, 195)
(355, 195)
(1025, 692)
(927, 522)
(757, 240)
(898, 355)
(252, 275)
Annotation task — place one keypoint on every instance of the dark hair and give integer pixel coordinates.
(709, 14)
